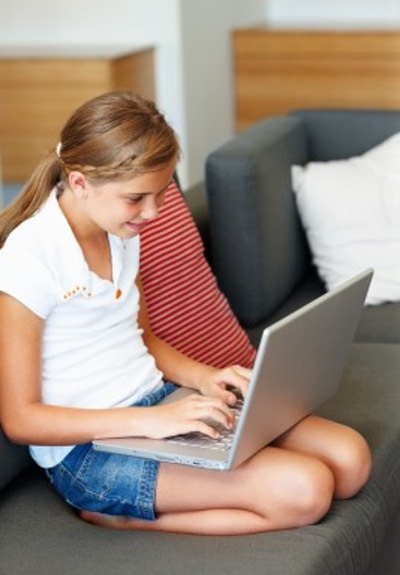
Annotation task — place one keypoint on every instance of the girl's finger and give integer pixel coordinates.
(213, 409)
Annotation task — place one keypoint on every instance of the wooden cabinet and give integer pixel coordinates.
(276, 71)
(40, 88)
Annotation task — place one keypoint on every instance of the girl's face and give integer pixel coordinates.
(123, 208)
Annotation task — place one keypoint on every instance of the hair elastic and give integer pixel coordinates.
(58, 149)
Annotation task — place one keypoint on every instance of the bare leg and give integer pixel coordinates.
(343, 449)
(276, 489)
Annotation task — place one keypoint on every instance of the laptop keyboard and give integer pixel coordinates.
(224, 441)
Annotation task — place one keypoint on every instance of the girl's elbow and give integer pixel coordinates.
(13, 430)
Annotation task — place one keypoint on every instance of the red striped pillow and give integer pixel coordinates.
(185, 306)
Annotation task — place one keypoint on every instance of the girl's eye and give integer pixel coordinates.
(159, 198)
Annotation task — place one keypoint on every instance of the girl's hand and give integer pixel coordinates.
(226, 384)
(193, 413)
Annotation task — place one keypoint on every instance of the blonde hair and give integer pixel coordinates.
(114, 136)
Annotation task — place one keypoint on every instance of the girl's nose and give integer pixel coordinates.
(149, 209)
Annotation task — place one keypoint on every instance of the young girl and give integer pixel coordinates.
(78, 360)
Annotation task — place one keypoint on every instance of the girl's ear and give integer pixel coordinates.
(78, 184)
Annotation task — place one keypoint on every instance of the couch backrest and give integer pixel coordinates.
(339, 134)
(257, 244)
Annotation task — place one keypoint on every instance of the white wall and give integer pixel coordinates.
(334, 13)
(207, 72)
(193, 80)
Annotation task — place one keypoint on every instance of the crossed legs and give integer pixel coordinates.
(286, 485)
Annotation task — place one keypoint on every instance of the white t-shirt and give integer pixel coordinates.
(93, 355)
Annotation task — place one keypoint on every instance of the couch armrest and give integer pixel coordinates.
(258, 249)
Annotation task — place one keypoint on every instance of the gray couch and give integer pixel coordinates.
(261, 259)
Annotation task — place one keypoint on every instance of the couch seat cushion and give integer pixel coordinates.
(343, 543)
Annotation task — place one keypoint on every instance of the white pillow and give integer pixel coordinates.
(350, 210)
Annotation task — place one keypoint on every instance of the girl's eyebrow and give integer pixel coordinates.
(156, 193)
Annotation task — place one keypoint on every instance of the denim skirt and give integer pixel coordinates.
(110, 483)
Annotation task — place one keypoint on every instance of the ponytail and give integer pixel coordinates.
(35, 192)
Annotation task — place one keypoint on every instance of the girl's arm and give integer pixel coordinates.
(25, 419)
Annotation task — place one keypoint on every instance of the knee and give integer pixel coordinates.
(313, 493)
(298, 491)
(353, 465)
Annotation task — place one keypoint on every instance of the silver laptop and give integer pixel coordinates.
(298, 366)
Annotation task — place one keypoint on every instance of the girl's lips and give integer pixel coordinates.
(136, 227)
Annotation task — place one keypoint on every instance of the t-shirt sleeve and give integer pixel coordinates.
(24, 276)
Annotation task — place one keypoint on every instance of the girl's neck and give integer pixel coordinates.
(83, 228)
(92, 240)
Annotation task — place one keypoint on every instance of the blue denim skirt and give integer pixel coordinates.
(110, 483)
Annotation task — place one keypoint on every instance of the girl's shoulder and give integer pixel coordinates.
(32, 260)
(33, 230)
